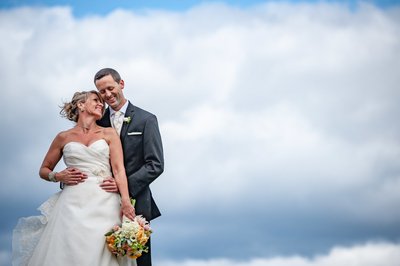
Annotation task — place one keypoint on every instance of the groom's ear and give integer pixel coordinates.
(122, 84)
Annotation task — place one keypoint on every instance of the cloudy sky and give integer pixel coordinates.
(279, 121)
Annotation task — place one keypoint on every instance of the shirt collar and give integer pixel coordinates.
(122, 110)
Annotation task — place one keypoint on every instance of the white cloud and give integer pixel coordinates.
(371, 254)
(283, 113)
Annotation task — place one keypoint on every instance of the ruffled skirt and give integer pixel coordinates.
(70, 230)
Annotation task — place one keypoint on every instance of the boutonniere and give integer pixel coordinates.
(127, 120)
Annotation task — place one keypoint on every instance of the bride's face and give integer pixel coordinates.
(94, 106)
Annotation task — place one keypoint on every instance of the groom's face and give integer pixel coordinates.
(111, 91)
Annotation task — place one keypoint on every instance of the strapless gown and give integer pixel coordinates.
(71, 229)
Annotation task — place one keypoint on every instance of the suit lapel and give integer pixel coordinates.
(129, 113)
(105, 120)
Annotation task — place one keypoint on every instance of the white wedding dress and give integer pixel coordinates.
(71, 229)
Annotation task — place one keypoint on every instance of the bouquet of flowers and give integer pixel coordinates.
(130, 237)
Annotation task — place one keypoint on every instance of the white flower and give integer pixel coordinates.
(127, 119)
(130, 226)
(99, 172)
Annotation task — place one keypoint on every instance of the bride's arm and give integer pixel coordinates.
(118, 168)
(69, 176)
(52, 157)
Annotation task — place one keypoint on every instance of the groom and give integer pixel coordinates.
(141, 143)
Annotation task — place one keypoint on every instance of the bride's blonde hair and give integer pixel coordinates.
(70, 109)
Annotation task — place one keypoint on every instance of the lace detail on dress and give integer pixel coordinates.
(48, 206)
(28, 231)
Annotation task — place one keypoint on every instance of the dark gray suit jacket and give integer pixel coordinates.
(143, 156)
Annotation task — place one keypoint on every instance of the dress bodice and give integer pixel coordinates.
(80, 213)
(94, 159)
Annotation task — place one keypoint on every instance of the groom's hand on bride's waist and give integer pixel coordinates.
(109, 185)
(71, 176)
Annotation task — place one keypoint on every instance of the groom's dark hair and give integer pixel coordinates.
(107, 71)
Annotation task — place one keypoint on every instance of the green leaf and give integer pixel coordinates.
(133, 202)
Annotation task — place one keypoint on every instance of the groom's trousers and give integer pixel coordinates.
(145, 259)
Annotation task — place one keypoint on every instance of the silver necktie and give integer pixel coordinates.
(117, 121)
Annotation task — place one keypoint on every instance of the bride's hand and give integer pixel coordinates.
(128, 210)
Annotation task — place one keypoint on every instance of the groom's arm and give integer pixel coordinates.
(70, 176)
(153, 165)
(109, 185)
(153, 158)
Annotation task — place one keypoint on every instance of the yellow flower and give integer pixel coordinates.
(141, 237)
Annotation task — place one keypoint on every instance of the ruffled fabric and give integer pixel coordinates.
(28, 231)
(72, 224)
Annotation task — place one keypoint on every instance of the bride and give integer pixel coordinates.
(71, 229)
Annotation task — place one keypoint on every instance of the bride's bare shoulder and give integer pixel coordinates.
(109, 133)
(62, 137)
(64, 134)
(108, 130)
